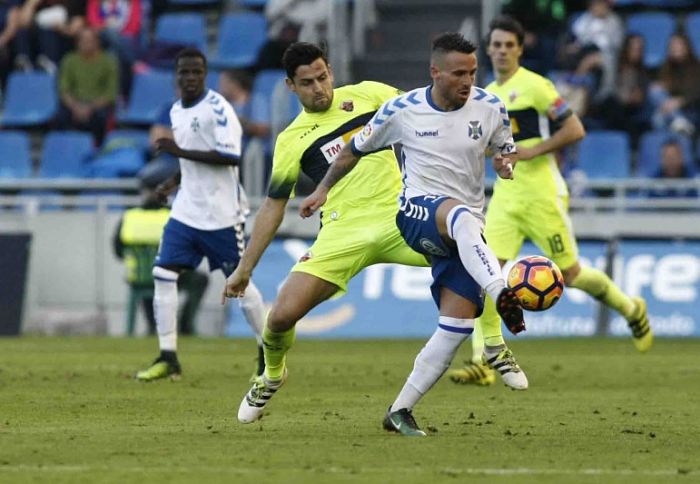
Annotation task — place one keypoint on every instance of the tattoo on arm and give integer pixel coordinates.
(343, 165)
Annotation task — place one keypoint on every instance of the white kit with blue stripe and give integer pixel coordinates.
(210, 197)
(443, 151)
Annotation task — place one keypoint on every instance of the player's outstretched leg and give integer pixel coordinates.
(638, 322)
(634, 310)
(253, 404)
(402, 422)
(496, 353)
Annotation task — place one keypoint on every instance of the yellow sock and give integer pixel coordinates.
(491, 324)
(601, 287)
(275, 347)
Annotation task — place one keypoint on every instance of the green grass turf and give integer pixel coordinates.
(596, 412)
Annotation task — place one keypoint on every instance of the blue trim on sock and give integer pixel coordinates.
(454, 329)
(454, 219)
(164, 279)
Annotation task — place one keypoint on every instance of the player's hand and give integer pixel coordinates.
(313, 202)
(503, 166)
(167, 145)
(525, 153)
(235, 284)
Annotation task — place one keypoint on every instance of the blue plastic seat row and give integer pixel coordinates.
(71, 154)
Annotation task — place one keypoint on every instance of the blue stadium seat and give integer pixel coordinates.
(135, 138)
(650, 151)
(241, 35)
(30, 100)
(65, 154)
(123, 154)
(15, 155)
(656, 28)
(149, 93)
(213, 79)
(692, 28)
(263, 86)
(182, 28)
(605, 154)
(252, 3)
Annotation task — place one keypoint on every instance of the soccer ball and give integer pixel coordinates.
(537, 282)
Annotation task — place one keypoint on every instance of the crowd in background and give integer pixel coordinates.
(95, 47)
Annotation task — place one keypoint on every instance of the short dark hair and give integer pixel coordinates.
(509, 24)
(301, 54)
(240, 76)
(189, 52)
(452, 42)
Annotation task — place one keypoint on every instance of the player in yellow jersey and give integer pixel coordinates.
(358, 221)
(534, 204)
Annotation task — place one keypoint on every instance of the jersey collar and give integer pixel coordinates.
(196, 101)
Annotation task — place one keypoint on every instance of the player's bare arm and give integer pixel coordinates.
(343, 165)
(267, 221)
(164, 189)
(167, 145)
(571, 131)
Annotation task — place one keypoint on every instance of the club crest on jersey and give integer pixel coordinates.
(512, 96)
(347, 106)
(475, 131)
(194, 125)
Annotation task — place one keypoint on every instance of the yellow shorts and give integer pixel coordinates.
(545, 222)
(346, 246)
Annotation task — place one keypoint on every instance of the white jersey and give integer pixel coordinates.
(443, 151)
(210, 196)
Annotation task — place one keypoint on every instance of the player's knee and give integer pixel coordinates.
(460, 218)
(281, 318)
(164, 275)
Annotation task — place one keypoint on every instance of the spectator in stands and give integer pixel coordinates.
(236, 86)
(673, 166)
(676, 94)
(290, 21)
(136, 240)
(592, 53)
(119, 24)
(543, 22)
(49, 29)
(88, 83)
(627, 108)
(9, 23)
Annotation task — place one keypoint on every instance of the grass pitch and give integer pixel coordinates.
(596, 411)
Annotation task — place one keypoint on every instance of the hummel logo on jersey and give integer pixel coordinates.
(347, 106)
(475, 131)
(194, 125)
(430, 133)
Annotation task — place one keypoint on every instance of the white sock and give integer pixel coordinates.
(433, 360)
(254, 310)
(477, 343)
(165, 307)
(477, 258)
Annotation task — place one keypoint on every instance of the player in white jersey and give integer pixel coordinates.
(445, 130)
(209, 210)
